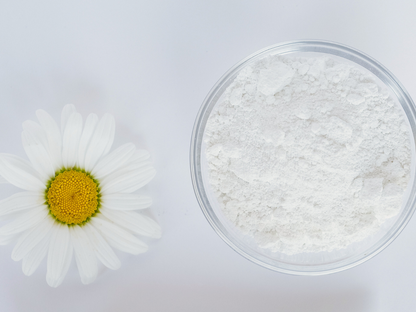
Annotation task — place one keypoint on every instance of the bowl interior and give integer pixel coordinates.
(304, 263)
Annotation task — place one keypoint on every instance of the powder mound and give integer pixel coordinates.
(307, 154)
(274, 78)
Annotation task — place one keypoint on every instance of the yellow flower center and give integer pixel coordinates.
(73, 196)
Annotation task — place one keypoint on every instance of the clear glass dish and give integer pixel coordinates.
(306, 263)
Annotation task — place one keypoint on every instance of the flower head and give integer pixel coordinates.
(78, 197)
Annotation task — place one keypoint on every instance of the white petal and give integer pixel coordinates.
(125, 172)
(10, 216)
(38, 156)
(3, 180)
(85, 139)
(36, 131)
(140, 183)
(68, 260)
(21, 201)
(121, 201)
(114, 160)
(4, 240)
(25, 221)
(53, 136)
(128, 182)
(139, 156)
(67, 111)
(60, 248)
(84, 255)
(117, 237)
(31, 238)
(33, 259)
(71, 137)
(135, 162)
(102, 250)
(110, 139)
(20, 173)
(102, 138)
(133, 221)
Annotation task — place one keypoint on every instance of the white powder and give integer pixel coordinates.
(307, 154)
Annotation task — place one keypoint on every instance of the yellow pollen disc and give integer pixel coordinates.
(72, 197)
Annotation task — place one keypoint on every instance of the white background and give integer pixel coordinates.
(150, 64)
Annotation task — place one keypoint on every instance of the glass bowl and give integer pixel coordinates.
(306, 263)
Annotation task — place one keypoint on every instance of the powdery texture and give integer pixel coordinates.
(307, 154)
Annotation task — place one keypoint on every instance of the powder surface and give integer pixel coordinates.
(307, 154)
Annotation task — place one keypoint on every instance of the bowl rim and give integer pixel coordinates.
(318, 46)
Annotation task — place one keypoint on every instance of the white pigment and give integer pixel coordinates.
(307, 154)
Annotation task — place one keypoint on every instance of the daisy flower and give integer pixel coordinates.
(78, 198)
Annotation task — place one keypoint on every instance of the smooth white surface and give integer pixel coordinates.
(151, 64)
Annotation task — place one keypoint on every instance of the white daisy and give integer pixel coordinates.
(78, 199)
